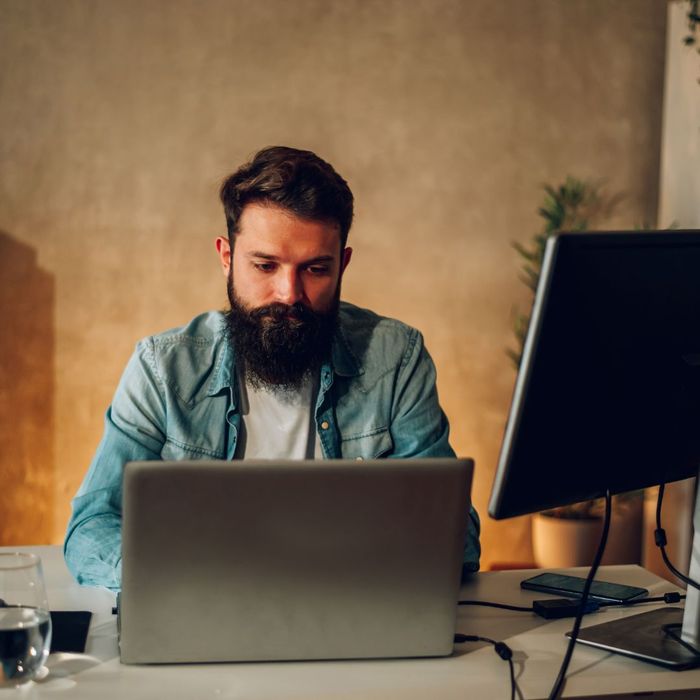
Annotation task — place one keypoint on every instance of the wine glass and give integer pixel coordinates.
(25, 622)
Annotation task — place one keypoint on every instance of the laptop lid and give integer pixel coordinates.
(281, 560)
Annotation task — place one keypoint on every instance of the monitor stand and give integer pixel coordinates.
(644, 637)
(647, 636)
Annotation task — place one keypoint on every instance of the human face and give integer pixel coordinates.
(279, 258)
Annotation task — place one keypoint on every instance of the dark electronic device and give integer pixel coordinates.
(556, 608)
(69, 630)
(572, 587)
(608, 393)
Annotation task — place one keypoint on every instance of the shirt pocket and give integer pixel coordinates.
(370, 445)
(174, 450)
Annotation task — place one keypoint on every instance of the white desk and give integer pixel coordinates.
(474, 671)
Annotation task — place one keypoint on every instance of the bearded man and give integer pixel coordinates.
(288, 372)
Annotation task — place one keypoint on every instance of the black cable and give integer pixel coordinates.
(502, 649)
(670, 597)
(504, 606)
(660, 540)
(559, 682)
(513, 683)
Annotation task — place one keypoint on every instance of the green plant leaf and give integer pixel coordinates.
(574, 205)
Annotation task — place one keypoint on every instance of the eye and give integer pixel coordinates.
(318, 270)
(264, 266)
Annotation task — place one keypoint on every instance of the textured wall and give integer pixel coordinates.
(119, 119)
(679, 198)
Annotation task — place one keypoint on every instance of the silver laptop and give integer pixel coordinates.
(289, 560)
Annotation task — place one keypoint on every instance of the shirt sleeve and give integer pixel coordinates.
(134, 429)
(419, 427)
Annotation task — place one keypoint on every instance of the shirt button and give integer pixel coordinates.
(324, 425)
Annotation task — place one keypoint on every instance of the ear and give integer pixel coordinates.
(345, 259)
(223, 248)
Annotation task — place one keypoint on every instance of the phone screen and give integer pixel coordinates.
(572, 587)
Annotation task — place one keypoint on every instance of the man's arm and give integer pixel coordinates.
(134, 430)
(419, 427)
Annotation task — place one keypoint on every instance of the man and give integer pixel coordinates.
(288, 371)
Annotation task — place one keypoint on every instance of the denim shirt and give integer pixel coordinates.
(178, 399)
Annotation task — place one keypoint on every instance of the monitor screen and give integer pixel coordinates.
(608, 391)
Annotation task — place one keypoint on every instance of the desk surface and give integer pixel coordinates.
(473, 671)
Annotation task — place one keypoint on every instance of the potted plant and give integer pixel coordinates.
(569, 535)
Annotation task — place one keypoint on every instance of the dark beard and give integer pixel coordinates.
(280, 345)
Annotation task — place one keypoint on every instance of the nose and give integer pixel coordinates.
(289, 287)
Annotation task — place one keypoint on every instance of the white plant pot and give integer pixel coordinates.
(563, 542)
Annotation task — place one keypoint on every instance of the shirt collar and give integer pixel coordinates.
(343, 360)
(223, 374)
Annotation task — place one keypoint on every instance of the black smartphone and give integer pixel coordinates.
(572, 587)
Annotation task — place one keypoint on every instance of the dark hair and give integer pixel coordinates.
(298, 181)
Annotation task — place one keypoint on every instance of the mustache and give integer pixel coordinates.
(279, 312)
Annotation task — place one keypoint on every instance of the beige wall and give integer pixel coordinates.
(119, 119)
(679, 196)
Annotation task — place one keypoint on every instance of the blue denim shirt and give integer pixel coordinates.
(178, 399)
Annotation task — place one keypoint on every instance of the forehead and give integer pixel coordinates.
(276, 231)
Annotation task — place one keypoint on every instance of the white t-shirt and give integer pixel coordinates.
(278, 425)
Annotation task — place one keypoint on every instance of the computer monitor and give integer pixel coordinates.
(608, 392)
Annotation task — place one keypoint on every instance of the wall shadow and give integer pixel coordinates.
(27, 351)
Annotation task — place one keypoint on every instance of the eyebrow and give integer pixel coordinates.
(274, 258)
